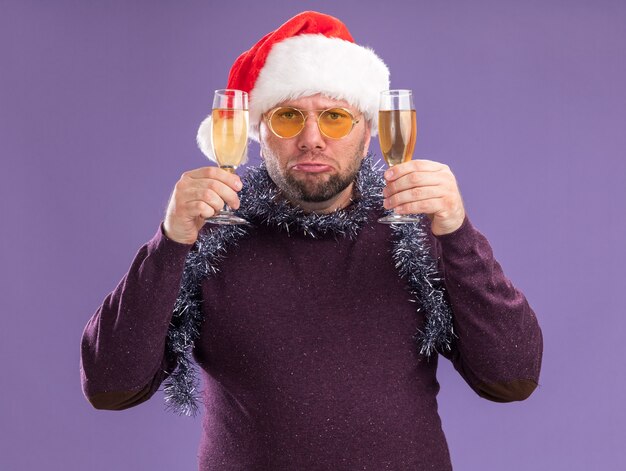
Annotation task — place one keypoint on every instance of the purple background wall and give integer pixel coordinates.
(99, 104)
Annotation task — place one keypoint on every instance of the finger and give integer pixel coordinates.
(413, 180)
(211, 191)
(209, 197)
(202, 209)
(417, 165)
(429, 206)
(413, 195)
(215, 173)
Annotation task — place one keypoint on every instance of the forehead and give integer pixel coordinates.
(317, 102)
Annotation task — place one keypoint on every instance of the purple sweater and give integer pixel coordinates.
(306, 351)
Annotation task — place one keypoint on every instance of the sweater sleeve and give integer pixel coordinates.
(123, 360)
(499, 344)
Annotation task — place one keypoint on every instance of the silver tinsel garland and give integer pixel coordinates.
(262, 203)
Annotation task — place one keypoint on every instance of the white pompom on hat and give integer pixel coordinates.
(310, 54)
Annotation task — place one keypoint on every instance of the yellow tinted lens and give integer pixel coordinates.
(287, 122)
(335, 123)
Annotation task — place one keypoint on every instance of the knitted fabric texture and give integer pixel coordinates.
(262, 203)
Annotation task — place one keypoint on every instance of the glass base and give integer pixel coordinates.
(227, 218)
(400, 219)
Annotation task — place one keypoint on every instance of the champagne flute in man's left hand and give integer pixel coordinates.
(397, 132)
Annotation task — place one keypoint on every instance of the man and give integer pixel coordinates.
(317, 329)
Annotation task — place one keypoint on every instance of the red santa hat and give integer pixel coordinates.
(309, 54)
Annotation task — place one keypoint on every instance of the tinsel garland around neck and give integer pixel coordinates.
(262, 203)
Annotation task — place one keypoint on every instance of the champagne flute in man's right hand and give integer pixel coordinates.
(229, 140)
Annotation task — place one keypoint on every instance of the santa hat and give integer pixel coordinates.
(309, 54)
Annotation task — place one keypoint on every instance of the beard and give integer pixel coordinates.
(315, 188)
(312, 191)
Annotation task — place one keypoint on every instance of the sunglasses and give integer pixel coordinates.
(287, 122)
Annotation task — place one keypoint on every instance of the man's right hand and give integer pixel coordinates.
(198, 195)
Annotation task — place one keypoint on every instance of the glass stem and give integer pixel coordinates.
(229, 169)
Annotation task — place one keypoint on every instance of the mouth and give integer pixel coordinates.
(311, 167)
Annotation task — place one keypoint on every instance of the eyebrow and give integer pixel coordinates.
(354, 111)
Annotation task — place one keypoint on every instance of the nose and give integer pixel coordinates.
(310, 137)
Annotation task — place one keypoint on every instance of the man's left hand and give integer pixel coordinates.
(425, 186)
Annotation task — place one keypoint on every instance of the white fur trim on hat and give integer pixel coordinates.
(309, 64)
(205, 140)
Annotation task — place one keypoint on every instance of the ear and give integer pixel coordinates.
(367, 137)
(262, 136)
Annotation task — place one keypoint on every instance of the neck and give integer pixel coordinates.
(339, 201)
(263, 203)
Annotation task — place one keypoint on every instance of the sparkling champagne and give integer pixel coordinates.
(397, 132)
(229, 137)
